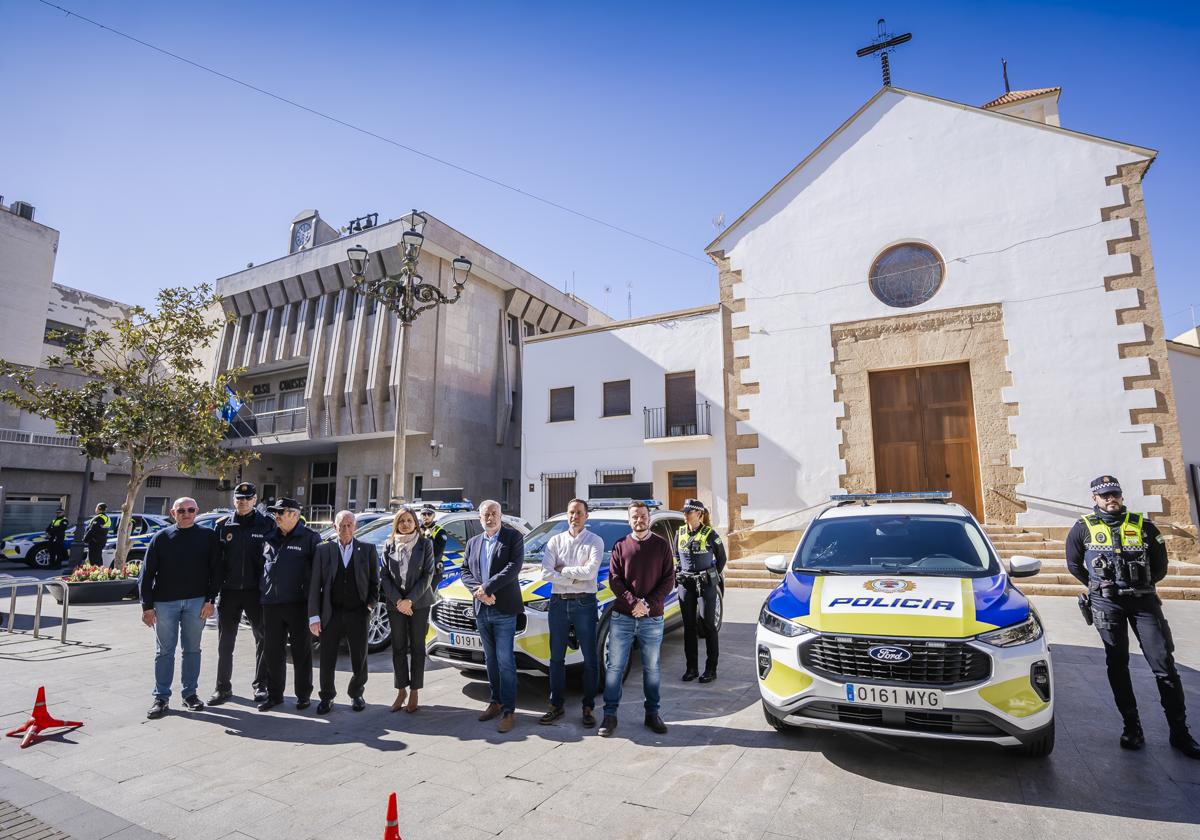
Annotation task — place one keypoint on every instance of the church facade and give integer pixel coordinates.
(943, 296)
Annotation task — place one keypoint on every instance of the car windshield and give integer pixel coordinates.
(609, 530)
(939, 546)
(376, 533)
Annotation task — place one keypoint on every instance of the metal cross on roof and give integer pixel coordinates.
(884, 44)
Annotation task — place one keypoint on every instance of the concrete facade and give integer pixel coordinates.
(643, 351)
(322, 370)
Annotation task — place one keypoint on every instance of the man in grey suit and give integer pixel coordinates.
(341, 598)
(490, 572)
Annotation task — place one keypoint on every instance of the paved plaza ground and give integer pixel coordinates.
(721, 772)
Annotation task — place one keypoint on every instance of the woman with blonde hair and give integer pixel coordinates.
(406, 580)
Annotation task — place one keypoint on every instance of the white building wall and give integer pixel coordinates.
(642, 353)
(1014, 208)
(27, 252)
(1185, 375)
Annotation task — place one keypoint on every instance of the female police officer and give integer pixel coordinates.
(699, 561)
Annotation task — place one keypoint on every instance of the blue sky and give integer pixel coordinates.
(653, 116)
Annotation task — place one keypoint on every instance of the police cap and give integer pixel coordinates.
(1105, 484)
(428, 509)
(283, 504)
(694, 504)
(245, 490)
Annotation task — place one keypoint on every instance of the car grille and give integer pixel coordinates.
(933, 663)
(460, 615)
(952, 723)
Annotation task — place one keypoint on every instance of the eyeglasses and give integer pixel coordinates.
(187, 510)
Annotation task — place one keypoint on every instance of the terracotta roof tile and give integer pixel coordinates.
(1018, 95)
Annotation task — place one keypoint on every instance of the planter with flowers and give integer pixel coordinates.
(100, 584)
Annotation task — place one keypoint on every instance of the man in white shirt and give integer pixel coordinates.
(571, 562)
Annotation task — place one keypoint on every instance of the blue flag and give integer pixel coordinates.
(232, 406)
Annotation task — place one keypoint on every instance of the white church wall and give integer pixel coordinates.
(643, 353)
(1015, 211)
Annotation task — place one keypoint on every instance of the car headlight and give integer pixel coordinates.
(541, 605)
(779, 624)
(1021, 633)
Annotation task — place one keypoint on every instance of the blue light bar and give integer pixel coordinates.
(611, 504)
(912, 496)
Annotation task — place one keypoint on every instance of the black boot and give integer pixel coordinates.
(1132, 737)
(1182, 740)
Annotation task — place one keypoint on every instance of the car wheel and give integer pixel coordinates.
(379, 630)
(1039, 747)
(38, 557)
(776, 723)
(602, 651)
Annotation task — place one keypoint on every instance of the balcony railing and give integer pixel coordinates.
(21, 436)
(283, 422)
(679, 422)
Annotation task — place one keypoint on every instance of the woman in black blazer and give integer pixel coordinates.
(406, 580)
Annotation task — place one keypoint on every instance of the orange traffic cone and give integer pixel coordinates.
(392, 830)
(40, 721)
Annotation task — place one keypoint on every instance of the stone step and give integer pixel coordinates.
(752, 583)
(1006, 529)
(748, 574)
(1024, 536)
(1032, 552)
(1003, 543)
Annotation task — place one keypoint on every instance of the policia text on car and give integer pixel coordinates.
(1120, 556)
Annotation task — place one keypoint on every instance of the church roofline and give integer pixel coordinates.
(1140, 150)
(1014, 96)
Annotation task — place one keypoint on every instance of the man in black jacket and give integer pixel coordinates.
(178, 584)
(341, 598)
(283, 591)
(241, 536)
(1119, 556)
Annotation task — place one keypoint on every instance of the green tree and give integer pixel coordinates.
(141, 401)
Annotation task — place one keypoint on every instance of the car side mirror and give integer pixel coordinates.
(777, 563)
(1020, 566)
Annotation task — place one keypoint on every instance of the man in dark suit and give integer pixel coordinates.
(341, 598)
(490, 572)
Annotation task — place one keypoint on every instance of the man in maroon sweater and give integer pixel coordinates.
(641, 574)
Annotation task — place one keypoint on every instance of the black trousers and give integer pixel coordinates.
(95, 553)
(287, 623)
(690, 596)
(58, 553)
(408, 646)
(233, 603)
(1113, 617)
(350, 625)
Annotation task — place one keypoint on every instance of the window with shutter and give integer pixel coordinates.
(562, 404)
(681, 403)
(616, 398)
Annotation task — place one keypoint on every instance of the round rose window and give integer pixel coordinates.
(907, 274)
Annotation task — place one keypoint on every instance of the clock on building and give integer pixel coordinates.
(302, 236)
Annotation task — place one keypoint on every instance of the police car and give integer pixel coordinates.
(32, 547)
(895, 616)
(459, 520)
(454, 640)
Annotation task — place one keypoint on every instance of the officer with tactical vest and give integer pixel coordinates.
(241, 536)
(56, 538)
(96, 535)
(1119, 555)
(699, 562)
(437, 535)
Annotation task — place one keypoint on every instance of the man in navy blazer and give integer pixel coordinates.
(490, 572)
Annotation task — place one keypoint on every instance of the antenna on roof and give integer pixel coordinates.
(1004, 66)
(718, 222)
(629, 299)
(607, 292)
(884, 44)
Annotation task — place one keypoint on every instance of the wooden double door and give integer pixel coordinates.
(923, 424)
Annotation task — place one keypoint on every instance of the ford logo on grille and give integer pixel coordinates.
(890, 655)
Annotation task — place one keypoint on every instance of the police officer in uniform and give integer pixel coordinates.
(96, 535)
(699, 562)
(436, 535)
(1119, 555)
(56, 536)
(241, 536)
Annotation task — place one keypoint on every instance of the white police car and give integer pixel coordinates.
(453, 638)
(895, 616)
(33, 548)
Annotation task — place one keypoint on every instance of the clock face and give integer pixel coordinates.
(303, 235)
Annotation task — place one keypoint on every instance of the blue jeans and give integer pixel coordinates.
(580, 612)
(498, 631)
(177, 622)
(621, 633)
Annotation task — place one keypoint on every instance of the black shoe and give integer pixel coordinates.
(655, 723)
(219, 697)
(260, 695)
(1183, 741)
(157, 709)
(607, 726)
(268, 704)
(552, 715)
(193, 703)
(690, 674)
(303, 703)
(589, 717)
(358, 704)
(709, 675)
(1132, 737)
(325, 707)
